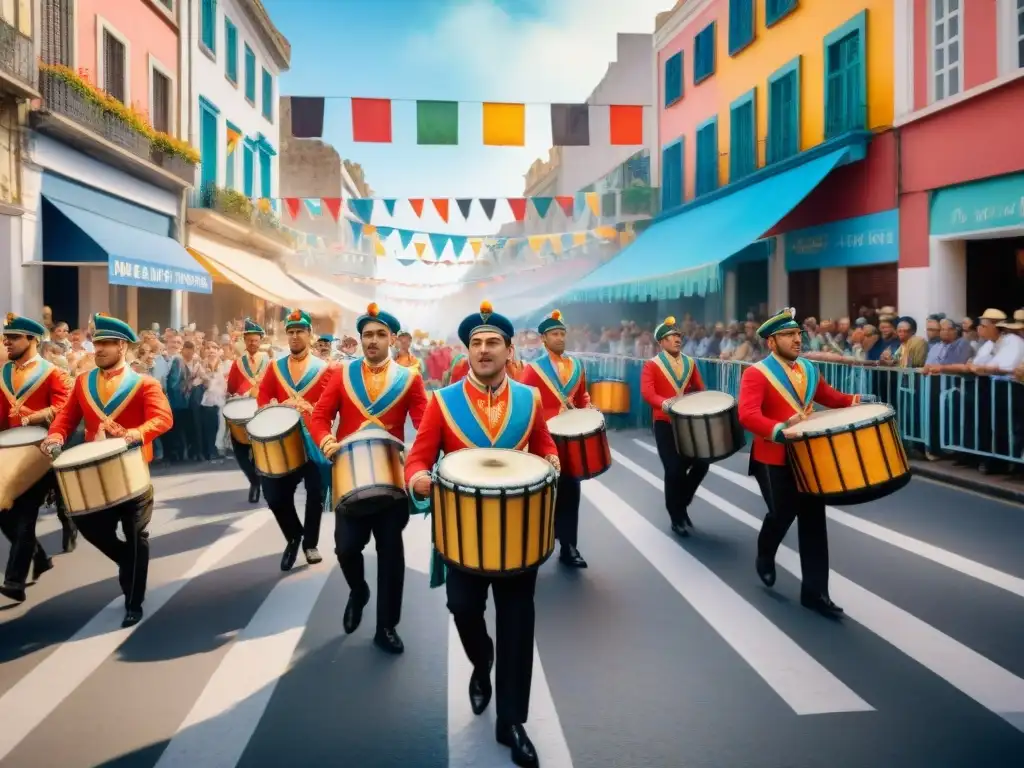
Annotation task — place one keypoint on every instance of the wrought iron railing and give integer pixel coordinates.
(234, 205)
(17, 55)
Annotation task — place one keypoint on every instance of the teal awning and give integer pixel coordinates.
(680, 255)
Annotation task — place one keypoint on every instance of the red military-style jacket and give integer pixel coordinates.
(556, 395)
(773, 391)
(453, 421)
(246, 374)
(658, 382)
(402, 396)
(278, 386)
(135, 402)
(45, 386)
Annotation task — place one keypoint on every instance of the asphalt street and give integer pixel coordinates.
(665, 653)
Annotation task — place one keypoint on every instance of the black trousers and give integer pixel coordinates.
(18, 525)
(567, 511)
(514, 608)
(209, 426)
(132, 554)
(683, 476)
(243, 455)
(785, 503)
(352, 534)
(280, 495)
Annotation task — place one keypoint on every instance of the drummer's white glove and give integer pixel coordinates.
(868, 399)
(330, 447)
(420, 484)
(51, 446)
(132, 437)
(667, 405)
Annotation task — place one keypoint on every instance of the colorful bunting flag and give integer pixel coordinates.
(420, 248)
(378, 247)
(487, 206)
(438, 243)
(371, 120)
(542, 204)
(593, 201)
(566, 203)
(362, 207)
(416, 203)
(458, 244)
(437, 123)
(475, 243)
(405, 237)
(333, 206)
(293, 205)
(441, 206)
(465, 206)
(504, 125)
(307, 117)
(570, 125)
(518, 207)
(626, 125)
(390, 205)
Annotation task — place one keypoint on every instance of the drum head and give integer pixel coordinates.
(240, 409)
(581, 421)
(86, 453)
(17, 437)
(703, 403)
(273, 421)
(372, 433)
(838, 418)
(493, 468)
(611, 381)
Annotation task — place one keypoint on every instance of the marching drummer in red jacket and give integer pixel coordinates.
(244, 379)
(115, 401)
(776, 394)
(373, 392)
(663, 380)
(562, 384)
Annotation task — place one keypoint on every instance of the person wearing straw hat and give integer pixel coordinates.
(34, 390)
(244, 378)
(115, 401)
(663, 380)
(488, 409)
(776, 394)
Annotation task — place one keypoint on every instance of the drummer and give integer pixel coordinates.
(297, 380)
(663, 380)
(776, 394)
(34, 390)
(115, 401)
(376, 392)
(563, 385)
(325, 347)
(488, 409)
(244, 379)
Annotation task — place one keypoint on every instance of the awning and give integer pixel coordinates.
(680, 255)
(257, 276)
(134, 256)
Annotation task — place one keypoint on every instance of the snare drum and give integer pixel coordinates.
(494, 511)
(22, 464)
(610, 396)
(706, 426)
(582, 443)
(95, 476)
(237, 413)
(849, 455)
(367, 470)
(275, 434)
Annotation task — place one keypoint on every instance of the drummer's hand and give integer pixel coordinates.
(555, 462)
(667, 405)
(793, 420)
(422, 487)
(132, 437)
(29, 418)
(51, 446)
(330, 448)
(113, 429)
(869, 398)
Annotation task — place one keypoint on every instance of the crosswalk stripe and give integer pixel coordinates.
(795, 676)
(984, 681)
(35, 696)
(223, 719)
(943, 557)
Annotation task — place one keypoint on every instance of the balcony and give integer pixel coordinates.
(75, 113)
(232, 215)
(17, 63)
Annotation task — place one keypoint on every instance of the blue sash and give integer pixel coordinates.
(126, 389)
(774, 371)
(374, 410)
(665, 364)
(35, 378)
(249, 372)
(546, 368)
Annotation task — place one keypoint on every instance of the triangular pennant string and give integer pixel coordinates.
(417, 206)
(406, 262)
(292, 205)
(314, 207)
(357, 230)
(487, 205)
(542, 204)
(475, 244)
(405, 235)
(333, 206)
(361, 207)
(384, 232)
(458, 244)
(566, 203)
(420, 248)
(438, 243)
(441, 206)
(518, 207)
(390, 205)
(593, 201)
(465, 206)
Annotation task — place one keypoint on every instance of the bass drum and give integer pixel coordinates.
(22, 464)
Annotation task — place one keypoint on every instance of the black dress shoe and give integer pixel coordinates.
(821, 604)
(40, 566)
(679, 529)
(254, 494)
(12, 592)
(389, 641)
(131, 617)
(480, 685)
(357, 600)
(524, 754)
(686, 520)
(313, 555)
(290, 553)
(571, 557)
(766, 570)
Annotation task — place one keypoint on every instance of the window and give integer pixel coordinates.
(674, 79)
(704, 54)
(741, 25)
(114, 60)
(250, 75)
(845, 78)
(672, 175)
(742, 137)
(57, 30)
(208, 25)
(161, 95)
(266, 161)
(947, 51)
(230, 50)
(776, 10)
(208, 142)
(707, 156)
(1020, 33)
(784, 112)
(248, 160)
(268, 96)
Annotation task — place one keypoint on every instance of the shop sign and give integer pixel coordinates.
(144, 274)
(857, 242)
(996, 203)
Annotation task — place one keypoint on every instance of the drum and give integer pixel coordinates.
(706, 426)
(275, 435)
(582, 442)
(610, 396)
(22, 464)
(494, 511)
(849, 455)
(237, 413)
(95, 476)
(368, 469)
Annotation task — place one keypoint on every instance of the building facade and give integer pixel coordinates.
(750, 92)
(959, 107)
